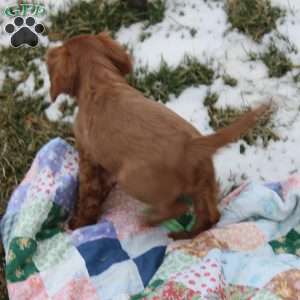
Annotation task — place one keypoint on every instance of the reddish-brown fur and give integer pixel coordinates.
(153, 153)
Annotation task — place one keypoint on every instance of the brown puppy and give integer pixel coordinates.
(153, 153)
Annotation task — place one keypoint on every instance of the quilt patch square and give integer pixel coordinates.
(120, 279)
(19, 262)
(61, 275)
(52, 155)
(6, 225)
(80, 286)
(205, 278)
(149, 262)
(17, 199)
(31, 217)
(52, 251)
(136, 245)
(104, 229)
(99, 255)
(32, 288)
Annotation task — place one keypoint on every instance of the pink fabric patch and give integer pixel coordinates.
(240, 237)
(297, 285)
(203, 279)
(77, 289)
(32, 173)
(291, 183)
(119, 208)
(32, 288)
(42, 186)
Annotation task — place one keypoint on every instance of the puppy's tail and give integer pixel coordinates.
(208, 145)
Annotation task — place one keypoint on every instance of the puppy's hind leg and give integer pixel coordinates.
(162, 213)
(205, 203)
(95, 183)
(207, 213)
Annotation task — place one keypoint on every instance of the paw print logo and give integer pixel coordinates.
(24, 32)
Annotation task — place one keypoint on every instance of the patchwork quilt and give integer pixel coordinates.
(252, 253)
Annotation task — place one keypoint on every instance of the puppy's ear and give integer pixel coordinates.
(62, 72)
(116, 53)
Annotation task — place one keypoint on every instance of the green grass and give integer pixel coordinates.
(228, 80)
(277, 62)
(211, 99)
(296, 78)
(98, 15)
(18, 59)
(145, 35)
(3, 290)
(253, 17)
(24, 129)
(160, 84)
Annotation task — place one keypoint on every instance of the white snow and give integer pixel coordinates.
(227, 52)
(191, 110)
(27, 87)
(15, 75)
(54, 113)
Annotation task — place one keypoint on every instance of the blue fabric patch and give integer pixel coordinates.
(99, 255)
(149, 262)
(52, 154)
(6, 226)
(17, 199)
(276, 187)
(66, 192)
(101, 230)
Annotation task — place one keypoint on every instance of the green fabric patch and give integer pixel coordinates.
(149, 290)
(52, 251)
(264, 294)
(19, 263)
(168, 290)
(32, 215)
(287, 244)
(36, 251)
(174, 262)
(238, 292)
(53, 224)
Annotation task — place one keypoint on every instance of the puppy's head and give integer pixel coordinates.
(62, 71)
(112, 50)
(64, 61)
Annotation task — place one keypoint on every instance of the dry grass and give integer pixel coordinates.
(98, 15)
(253, 17)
